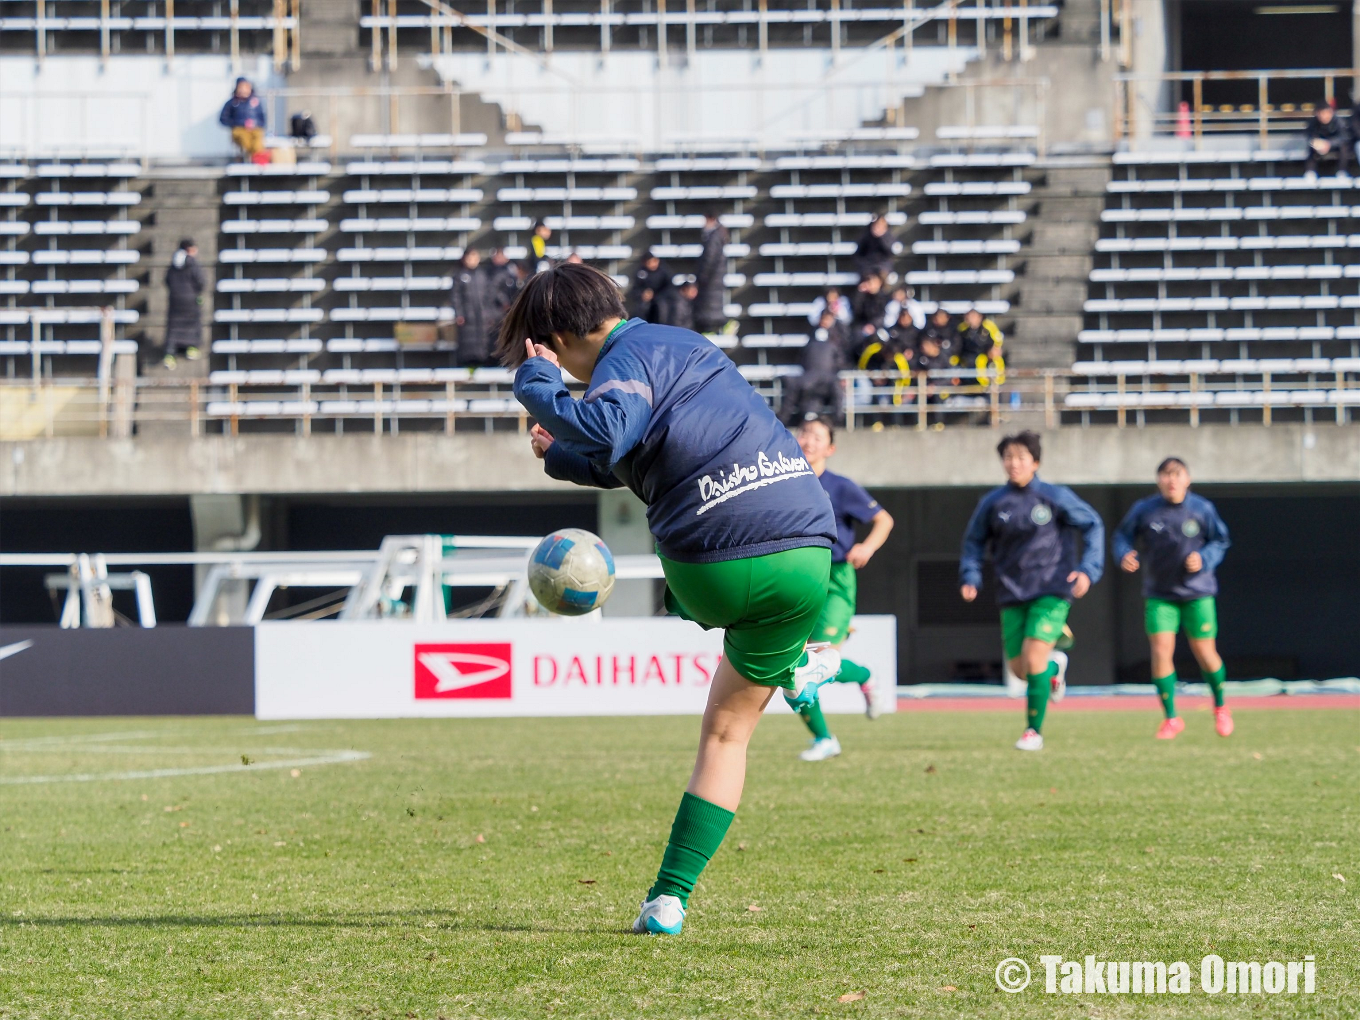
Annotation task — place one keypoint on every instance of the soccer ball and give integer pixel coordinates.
(571, 572)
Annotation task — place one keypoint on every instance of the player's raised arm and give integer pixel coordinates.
(565, 318)
(604, 426)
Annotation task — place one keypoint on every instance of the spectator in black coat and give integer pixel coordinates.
(504, 284)
(818, 390)
(709, 314)
(1327, 138)
(675, 306)
(868, 306)
(874, 254)
(183, 316)
(651, 279)
(474, 298)
(942, 330)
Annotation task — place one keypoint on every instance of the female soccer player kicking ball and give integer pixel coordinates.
(742, 526)
(1183, 540)
(850, 504)
(1028, 526)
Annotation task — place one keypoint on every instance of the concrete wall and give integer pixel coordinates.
(135, 105)
(501, 463)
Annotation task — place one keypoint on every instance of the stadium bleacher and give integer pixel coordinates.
(322, 267)
(67, 262)
(1225, 255)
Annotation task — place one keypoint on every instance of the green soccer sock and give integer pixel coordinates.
(1038, 696)
(852, 673)
(696, 834)
(816, 722)
(1215, 682)
(1166, 690)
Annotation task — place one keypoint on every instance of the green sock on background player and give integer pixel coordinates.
(1215, 682)
(696, 834)
(852, 673)
(1038, 696)
(816, 722)
(1166, 690)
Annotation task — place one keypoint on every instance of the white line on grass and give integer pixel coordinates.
(327, 758)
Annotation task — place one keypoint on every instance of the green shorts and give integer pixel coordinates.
(833, 625)
(766, 604)
(1042, 619)
(1199, 617)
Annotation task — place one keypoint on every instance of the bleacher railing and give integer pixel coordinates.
(161, 21)
(1280, 102)
(1119, 394)
(1012, 24)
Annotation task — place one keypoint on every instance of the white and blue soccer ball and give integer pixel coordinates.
(571, 572)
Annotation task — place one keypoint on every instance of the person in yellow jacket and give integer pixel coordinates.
(980, 342)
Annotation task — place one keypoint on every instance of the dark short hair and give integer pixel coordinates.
(567, 298)
(1029, 440)
(1165, 465)
(811, 418)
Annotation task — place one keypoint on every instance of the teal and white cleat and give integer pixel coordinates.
(1058, 688)
(664, 915)
(821, 750)
(821, 668)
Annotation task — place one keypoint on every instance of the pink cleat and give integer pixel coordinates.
(1170, 727)
(1223, 721)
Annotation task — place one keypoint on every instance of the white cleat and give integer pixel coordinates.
(821, 668)
(870, 692)
(1058, 689)
(1031, 741)
(664, 915)
(821, 750)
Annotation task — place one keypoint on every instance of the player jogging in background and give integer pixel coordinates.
(851, 505)
(1183, 541)
(742, 526)
(1030, 528)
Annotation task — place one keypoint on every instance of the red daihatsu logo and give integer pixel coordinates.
(463, 671)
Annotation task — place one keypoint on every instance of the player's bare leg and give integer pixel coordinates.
(1210, 662)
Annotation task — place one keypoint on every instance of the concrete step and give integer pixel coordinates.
(174, 208)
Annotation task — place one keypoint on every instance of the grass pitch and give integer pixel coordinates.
(490, 868)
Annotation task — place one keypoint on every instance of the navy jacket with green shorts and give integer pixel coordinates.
(742, 525)
(1031, 533)
(1169, 533)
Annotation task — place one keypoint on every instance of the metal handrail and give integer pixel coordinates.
(1196, 121)
(948, 397)
(281, 24)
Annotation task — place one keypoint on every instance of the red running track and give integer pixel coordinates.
(1122, 703)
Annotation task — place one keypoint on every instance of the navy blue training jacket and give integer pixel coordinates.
(668, 415)
(1031, 533)
(238, 112)
(1168, 533)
